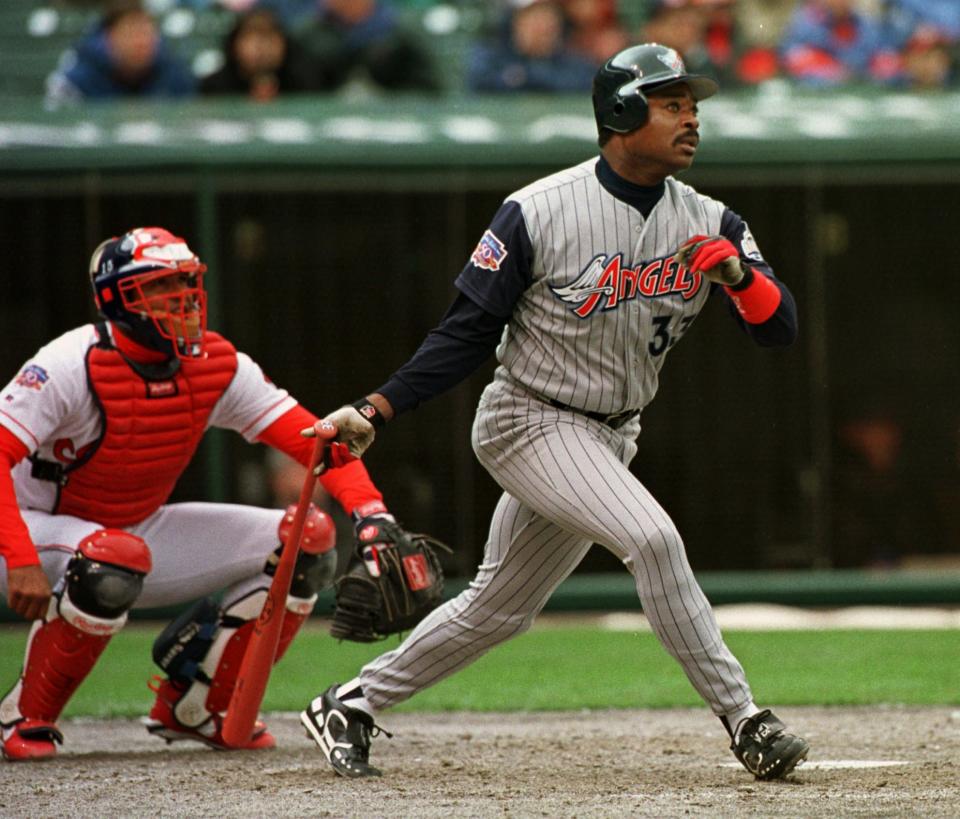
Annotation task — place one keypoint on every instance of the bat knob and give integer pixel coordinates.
(326, 430)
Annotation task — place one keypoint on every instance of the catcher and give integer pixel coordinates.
(95, 430)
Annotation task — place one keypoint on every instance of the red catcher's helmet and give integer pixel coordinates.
(150, 284)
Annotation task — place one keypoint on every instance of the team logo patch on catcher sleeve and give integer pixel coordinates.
(32, 377)
(490, 252)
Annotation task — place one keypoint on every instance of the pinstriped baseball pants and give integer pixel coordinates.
(566, 485)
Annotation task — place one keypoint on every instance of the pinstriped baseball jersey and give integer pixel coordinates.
(575, 284)
(606, 288)
(579, 267)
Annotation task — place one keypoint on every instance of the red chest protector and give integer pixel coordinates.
(150, 431)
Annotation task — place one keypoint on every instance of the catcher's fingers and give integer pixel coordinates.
(28, 592)
(337, 455)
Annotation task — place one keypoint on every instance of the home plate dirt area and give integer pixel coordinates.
(871, 762)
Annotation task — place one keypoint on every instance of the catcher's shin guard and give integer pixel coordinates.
(89, 606)
(190, 704)
(203, 649)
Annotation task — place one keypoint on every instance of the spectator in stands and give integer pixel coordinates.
(365, 40)
(710, 37)
(682, 25)
(929, 60)
(829, 42)
(595, 29)
(731, 54)
(927, 35)
(909, 15)
(123, 56)
(761, 22)
(261, 61)
(529, 52)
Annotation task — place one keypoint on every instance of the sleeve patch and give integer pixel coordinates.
(490, 252)
(749, 245)
(32, 377)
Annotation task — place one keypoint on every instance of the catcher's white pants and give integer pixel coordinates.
(566, 486)
(197, 548)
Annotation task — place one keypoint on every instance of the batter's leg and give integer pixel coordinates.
(525, 558)
(572, 471)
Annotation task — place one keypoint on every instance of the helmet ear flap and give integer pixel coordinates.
(629, 110)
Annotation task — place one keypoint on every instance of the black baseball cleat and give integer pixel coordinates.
(764, 747)
(343, 733)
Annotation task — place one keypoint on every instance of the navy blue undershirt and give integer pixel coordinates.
(473, 325)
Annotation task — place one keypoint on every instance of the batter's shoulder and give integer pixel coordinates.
(555, 181)
(682, 191)
(697, 204)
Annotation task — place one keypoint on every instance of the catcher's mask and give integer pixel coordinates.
(619, 98)
(150, 284)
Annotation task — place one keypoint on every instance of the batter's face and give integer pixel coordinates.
(665, 144)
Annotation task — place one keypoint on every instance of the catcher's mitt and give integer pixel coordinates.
(393, 580)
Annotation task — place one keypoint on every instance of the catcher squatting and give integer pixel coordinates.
(94, 432)
(582, 284)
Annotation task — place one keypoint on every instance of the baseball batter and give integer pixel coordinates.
(583, 283)
(94, 432)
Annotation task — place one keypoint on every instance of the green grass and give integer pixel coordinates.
(568, 668)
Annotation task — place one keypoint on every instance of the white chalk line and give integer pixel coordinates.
(769, 617)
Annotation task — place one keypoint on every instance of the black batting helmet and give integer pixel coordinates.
(619, 101)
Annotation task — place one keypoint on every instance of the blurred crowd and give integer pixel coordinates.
(538, 46)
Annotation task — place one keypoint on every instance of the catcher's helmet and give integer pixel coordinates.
(150, 284)
(619, 101)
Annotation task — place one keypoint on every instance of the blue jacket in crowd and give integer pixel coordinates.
(88, 72)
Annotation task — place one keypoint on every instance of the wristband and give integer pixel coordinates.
(756, 302)
(370, 412)
(368, 509)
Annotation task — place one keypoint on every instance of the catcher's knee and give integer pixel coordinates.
(105, 576)
(319, 534)
(316, 561)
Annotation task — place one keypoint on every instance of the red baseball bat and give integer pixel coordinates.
(261, 651)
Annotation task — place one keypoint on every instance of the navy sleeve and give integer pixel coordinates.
(780, 330)
(498, 270)
(464, 339)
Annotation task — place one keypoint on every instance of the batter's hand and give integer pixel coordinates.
(28, 591)
(713, 256)
(354, 432)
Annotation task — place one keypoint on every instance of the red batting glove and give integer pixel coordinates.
(702, 254)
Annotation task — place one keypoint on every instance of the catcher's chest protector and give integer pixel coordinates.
(150, 431)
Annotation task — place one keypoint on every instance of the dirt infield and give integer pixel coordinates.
(587, 764)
